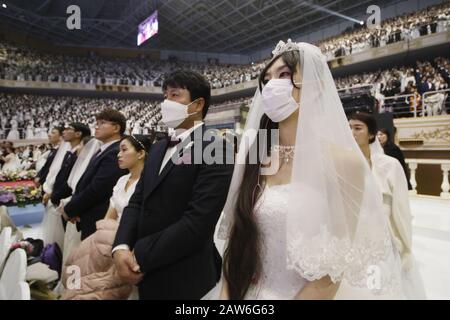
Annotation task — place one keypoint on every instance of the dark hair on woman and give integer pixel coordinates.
(114, 116)
(368, 120)
(387, 133)
(193, 82)
(242, 257)
(290, 58)
(139, 142)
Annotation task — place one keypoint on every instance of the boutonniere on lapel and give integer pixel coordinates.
(183, 156)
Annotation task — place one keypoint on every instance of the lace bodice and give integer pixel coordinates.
(276, 281)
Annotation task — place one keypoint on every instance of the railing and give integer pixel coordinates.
(445, 167)
(358, 86)
(402, 105)
(430, 103)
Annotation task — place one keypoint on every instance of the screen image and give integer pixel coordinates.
(148, 28)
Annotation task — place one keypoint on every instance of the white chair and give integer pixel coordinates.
(22, 292)
(13, 273)
(5, 243)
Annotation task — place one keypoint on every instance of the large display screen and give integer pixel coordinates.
(148, 28)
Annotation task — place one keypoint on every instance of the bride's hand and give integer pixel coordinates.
(127, 267)
(322, 289)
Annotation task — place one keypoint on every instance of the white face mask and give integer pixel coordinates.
(277, 99)
(174, 113)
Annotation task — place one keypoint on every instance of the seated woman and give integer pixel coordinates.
(99, 279)
(11, 161)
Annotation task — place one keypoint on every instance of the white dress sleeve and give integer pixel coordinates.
(401, 213)
(116, 193)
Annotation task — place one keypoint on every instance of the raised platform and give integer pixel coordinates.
(30, 214)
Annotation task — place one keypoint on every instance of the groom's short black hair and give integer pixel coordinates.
(193, 82)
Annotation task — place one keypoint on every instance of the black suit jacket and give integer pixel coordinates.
(90, 200)
(170, 221)
(61, 189)
(42, 174)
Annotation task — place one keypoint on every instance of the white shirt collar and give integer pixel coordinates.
(106, 145)
(182, 134)
(73, 150)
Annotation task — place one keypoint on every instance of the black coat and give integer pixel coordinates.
(90, 200)
(42, 174)
(61, 189)
(170, 222)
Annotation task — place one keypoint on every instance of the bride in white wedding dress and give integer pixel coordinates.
(306, 214)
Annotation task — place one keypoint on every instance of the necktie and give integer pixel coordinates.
(94, 157)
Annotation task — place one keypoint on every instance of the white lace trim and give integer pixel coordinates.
(340, 259)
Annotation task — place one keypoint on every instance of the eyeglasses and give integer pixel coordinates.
(102, 122)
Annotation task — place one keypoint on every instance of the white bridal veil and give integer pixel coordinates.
(335, 223)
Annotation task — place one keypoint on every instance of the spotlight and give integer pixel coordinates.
(361, 23)
(4, 5)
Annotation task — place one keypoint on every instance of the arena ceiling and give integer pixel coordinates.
(228, 26)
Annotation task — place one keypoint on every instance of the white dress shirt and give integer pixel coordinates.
(179, 134)
(104, 146)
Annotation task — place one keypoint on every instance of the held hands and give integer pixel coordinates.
(127, 267)
(66, 217)
(45, 198)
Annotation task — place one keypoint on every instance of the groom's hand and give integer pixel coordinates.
(127, 267)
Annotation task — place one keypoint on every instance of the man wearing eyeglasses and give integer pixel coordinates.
(90, 200)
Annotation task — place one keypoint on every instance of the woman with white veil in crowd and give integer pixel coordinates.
(303, 212)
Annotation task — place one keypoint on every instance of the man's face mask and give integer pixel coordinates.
(174, 113)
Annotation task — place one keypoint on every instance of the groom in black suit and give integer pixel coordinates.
(90, 200)
(165, 241)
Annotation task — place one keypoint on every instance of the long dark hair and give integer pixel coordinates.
(242, 257)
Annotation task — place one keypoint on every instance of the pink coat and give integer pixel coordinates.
(99, 278)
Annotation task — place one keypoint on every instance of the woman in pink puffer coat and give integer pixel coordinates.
(99, 277)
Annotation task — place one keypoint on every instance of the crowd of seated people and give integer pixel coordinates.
(26, 116)
(409, 84)
(32, 116)
(433, 19)
(23, 63)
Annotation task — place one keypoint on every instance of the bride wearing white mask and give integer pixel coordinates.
(299, 230)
